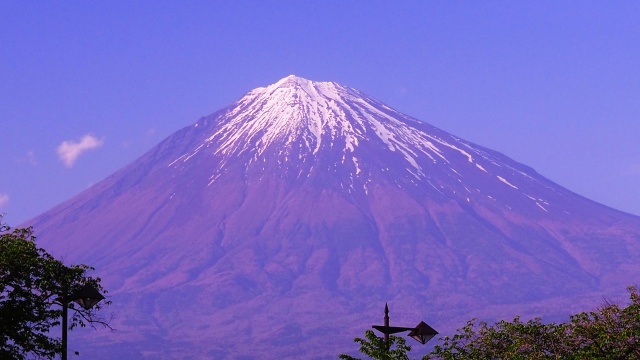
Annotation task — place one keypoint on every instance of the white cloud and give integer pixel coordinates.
(69, 151)
(4, 199)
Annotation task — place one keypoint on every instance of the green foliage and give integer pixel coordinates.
(503, 340)
(611, 332)
(376, 348)
(32, 288)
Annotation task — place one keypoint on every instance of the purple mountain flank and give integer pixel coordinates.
(279, 226)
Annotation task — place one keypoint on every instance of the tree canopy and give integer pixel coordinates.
(611, 332)
(33, 287)
(376, 348)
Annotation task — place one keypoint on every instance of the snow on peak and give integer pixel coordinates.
(300, 117)
(290, 110)
(291, 79)
(311, 88)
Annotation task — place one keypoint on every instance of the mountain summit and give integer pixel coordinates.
(278, 226)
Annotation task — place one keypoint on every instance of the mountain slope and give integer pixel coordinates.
(278, 226)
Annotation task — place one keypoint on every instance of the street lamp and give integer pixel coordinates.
(422, 332)
(87, 297)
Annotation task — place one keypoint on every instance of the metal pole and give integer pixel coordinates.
(64, 329)
(386, 324)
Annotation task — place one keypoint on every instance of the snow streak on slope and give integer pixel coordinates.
(299, 122)
(294, 108)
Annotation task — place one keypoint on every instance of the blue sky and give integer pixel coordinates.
(88, 86)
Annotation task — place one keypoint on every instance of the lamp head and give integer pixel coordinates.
(87, 297)
(423, 333)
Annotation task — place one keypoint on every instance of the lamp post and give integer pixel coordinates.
(421, 333)
(87, 297)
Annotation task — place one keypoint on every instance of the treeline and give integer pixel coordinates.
(611, 332)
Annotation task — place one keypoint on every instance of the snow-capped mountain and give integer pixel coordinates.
(279, 226)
